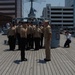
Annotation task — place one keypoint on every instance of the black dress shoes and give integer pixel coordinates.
(25, 59)
(47, 59)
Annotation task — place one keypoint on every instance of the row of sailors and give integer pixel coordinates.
(27, 35)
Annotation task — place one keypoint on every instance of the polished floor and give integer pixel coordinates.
(62, 60)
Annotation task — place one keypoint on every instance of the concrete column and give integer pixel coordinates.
(74, 13)
(19, 8)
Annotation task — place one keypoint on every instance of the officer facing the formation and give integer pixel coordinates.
(23, 36)
(11, 36)
(18, 34)
(47, 39)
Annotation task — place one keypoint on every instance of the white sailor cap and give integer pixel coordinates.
(46, 21)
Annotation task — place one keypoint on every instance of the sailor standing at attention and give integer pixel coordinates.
(23, 37)
(11, 34)
(47, 39)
